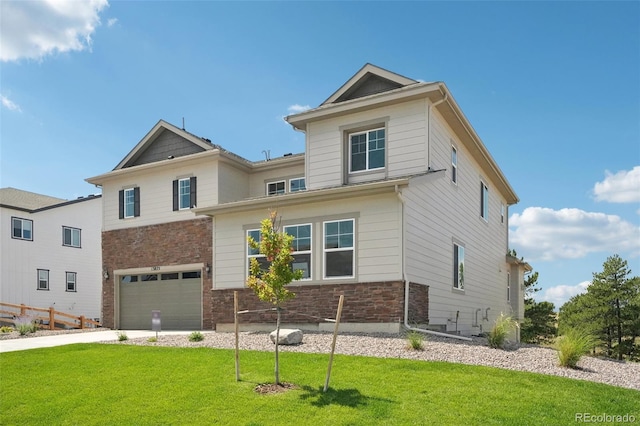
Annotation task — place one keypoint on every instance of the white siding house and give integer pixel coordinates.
(51, 254)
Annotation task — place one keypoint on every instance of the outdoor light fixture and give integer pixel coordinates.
(207, 269)
(105, 273)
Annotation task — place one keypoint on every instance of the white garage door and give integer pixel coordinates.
(177, 295)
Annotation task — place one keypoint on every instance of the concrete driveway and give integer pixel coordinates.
(24, 343)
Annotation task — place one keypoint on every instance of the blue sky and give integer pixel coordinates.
(552, 88)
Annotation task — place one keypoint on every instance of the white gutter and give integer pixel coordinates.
(406, 283)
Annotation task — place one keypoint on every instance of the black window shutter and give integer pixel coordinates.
(136, 201)
(121, 204)
(175, 195)
(192, 186)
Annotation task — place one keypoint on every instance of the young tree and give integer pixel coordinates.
(269, 284)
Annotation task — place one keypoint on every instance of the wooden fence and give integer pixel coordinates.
(47, 318)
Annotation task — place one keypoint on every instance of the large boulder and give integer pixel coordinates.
(288, 336)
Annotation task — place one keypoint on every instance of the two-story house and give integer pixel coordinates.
(50, 252)
(396, 203)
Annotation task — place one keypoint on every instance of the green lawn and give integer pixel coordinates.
(88, 384)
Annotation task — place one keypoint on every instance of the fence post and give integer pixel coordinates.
(235, 326)
(81, 322)
(52, 319)
(23, 309)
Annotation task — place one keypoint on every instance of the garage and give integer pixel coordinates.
(177, 295)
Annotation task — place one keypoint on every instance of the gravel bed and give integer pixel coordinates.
(530, 358)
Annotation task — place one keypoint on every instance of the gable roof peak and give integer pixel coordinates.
(368, 80)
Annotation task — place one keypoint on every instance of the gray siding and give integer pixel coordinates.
(368, 86)
(166, 144)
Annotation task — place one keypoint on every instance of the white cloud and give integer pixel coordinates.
(560, 294)
(546, 234)
(295, 109)
(35, 29)
(9, 104)
(111, 22)
(622, 187)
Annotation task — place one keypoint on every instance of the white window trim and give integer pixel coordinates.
(64, 228)
(47, 280)
(126, 202)
(503, 210)
(309, 252)
(456, 274)
(484, 201)
(180, 194)
(366, 132)
(325, 251)
(67, 281)
(302, 178)
(276, 182)
(22, 222)
(454, 165)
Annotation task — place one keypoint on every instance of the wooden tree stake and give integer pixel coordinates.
(333, 344)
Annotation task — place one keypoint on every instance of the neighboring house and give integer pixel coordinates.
(396, 203)
(51, 254)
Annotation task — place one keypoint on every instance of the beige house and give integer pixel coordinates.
(395, 203)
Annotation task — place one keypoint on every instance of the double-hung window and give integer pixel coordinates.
(70, 237)
(129, 203)
(367, 150)
(484, 201)
(276, 188)
(184, 193)
(458, 267)
(71, 281)
(339, 249)
(43, 279)
(301, 248)
(21, 229)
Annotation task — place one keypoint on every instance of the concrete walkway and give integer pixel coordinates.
(21, 344)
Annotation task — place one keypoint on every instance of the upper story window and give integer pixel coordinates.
(184, 193)
(339, 249)
(276, 188)
(454, 165)
(367, 150)
(458, 266)
(129, 203)
(484, 201)
(43, 279)
(297, 184)
(71, 281)
(70, 237)
(21, 229)
(301, 248)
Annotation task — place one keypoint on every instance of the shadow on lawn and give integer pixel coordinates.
(346, 397)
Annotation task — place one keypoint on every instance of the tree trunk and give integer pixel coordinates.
(277, 367)
(619, 326)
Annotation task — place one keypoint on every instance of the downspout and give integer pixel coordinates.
(406, 282)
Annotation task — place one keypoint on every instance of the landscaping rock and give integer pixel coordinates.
(288, 336)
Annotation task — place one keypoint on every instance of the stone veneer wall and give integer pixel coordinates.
(418, 304)
(173, 243)
(377, 302)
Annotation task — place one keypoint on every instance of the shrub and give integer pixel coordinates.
(26, 324)
(196, 336)
(504, 325)
(6, 329)
(122, 336)
(415, 340)
(572, 346)
(152, 339)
